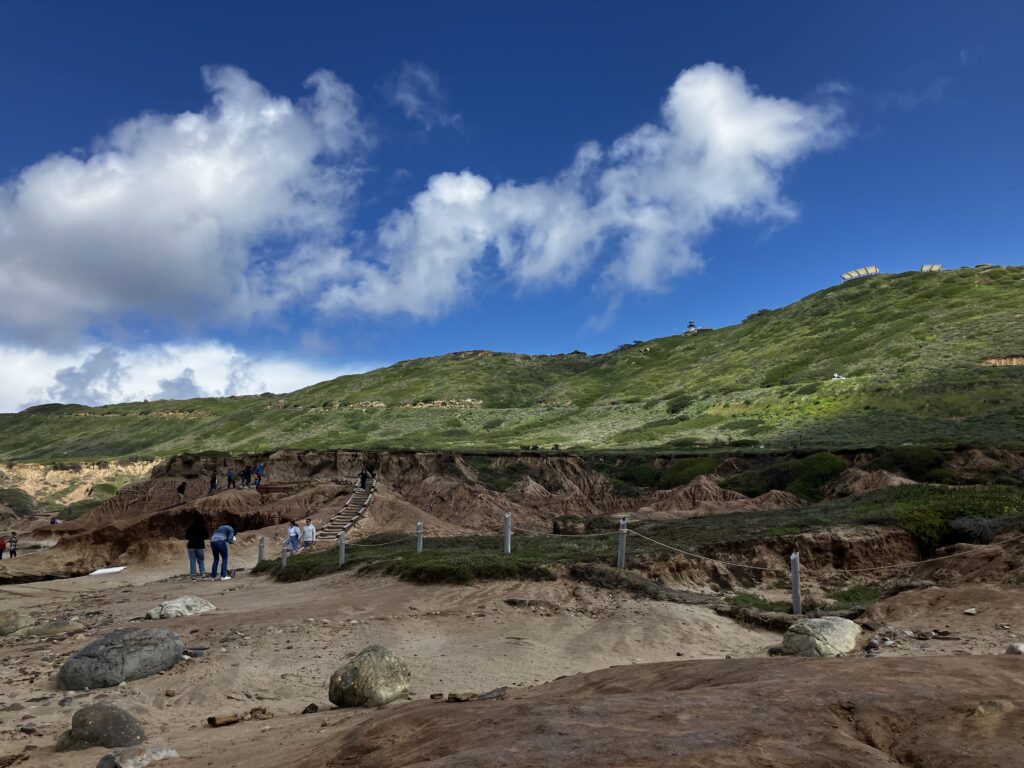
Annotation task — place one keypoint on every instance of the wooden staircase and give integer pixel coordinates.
(350, 514)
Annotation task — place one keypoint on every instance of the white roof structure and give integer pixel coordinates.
(862, 272)
(931, 268)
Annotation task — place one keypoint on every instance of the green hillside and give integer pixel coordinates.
(910, 348)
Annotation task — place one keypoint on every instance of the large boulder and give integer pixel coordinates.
(180, 606)
(827, 636)
(127, 654)
(11, 621)
(372, 679)
(101, 725)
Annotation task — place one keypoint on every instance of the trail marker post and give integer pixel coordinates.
(419, 537)
(341, 547)
(508, 533)
(284, 557)
(262, 550)
(794, 569)
(623, 531)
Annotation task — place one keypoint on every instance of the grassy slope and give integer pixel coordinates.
(908, 344)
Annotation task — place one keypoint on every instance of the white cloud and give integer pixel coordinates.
(96, 375)
(909, 99)
(416, 90)
(168, 214)
(640, 208)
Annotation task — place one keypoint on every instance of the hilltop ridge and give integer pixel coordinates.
(908, 350)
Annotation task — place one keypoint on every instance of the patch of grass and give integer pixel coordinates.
(750, 600)
(20, 502)
(806, 477)
(917, 462)
(855, 597)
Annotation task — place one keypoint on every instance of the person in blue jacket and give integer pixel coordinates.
(219, 544)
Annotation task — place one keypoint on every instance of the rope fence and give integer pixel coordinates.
(624, 532)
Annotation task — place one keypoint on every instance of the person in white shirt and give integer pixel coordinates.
(308, 534)
(293, 536)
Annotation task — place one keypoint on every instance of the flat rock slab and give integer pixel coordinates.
(134, 757)
(181, 606)
(127, 654)
(101, 725)
(11, 621)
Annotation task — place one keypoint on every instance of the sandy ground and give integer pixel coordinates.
(276, 645)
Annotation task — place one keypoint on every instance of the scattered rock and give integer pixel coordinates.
(259, 713)
(437, 696)
(539, 605)
(497, 693)
(1015, 649)
(180, 606)
(826, 636)
(311, 709)
(101, 725)
(12, 620)
(460, 697)
(50, 628)
(994, 707)
(127, 654)
(216, 721)
(971, 611)
(373, 678)
(30, 729)
(134, 757)
(170, 692)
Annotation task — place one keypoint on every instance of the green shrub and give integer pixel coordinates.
(683, 471)
(805, 477)
(915, 461)
(19, 501)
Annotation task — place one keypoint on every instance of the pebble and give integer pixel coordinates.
(971, 611)
(1015, 649)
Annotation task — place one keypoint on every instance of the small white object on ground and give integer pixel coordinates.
(971, 611)
(105, 571)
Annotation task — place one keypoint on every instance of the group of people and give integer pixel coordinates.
(247, 477)
(301, 537)
(197, 533)
(12, 545)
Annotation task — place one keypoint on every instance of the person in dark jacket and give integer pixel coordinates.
(231, 478)
(197, 534)
(181, 492)
(213, 484)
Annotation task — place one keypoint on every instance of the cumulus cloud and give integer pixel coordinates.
(169, 215)
(639, 207)
(416, 90)
(96, 375)
(240, 211)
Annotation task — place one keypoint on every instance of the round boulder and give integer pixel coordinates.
(827, 636)
(101, 725)
(372, 679)
(180, 606)
(127, 654)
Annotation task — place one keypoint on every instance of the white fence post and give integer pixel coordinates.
(623, 530)
(508, 533)
(341, 547)
(284, 557)
(794, 569)
(262, 550)
(419, 537)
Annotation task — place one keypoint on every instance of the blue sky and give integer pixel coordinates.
(200, 200)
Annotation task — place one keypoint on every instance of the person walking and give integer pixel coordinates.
(308, 534)
(293, 536)
(181, 492)
(231, 478)
(219, 546)
(3, 547)
(12, 545)
(259, 474)
(213, 484)
(363, 474)
(197, 534)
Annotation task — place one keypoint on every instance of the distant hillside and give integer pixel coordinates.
(910, 346)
